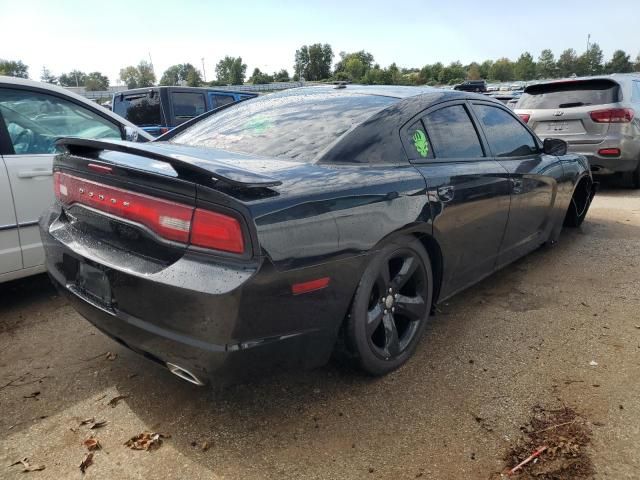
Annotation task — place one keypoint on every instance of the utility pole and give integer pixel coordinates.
(204, 74)
(151, 63)
(588, 40)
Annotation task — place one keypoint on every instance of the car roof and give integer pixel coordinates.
(63, 92)
(613, 76)
(178, 87)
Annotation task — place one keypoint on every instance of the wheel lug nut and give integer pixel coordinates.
(386, 311)
(390, 290)
(395, 296)
(393, 309)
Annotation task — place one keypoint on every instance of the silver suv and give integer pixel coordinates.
(599, 117)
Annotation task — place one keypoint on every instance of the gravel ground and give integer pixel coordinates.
(530, 335)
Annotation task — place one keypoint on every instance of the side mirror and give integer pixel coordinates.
(554, 146)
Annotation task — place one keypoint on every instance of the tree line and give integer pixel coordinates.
(315, 63)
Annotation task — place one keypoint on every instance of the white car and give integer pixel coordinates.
(33, 116)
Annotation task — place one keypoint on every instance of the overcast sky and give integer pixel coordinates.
(108, 35)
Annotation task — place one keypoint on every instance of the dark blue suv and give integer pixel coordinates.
(159, 109)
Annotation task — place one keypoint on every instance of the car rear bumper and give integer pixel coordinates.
(230, 323)
(627, 161)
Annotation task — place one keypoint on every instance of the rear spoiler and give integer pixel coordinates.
(221, 171)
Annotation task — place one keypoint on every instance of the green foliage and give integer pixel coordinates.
(231, 71)
(485, 68)
(619, 63)
(14, 68)
(567, 63)
(138, 77)
(47, 77)
(313, 62)
(257, 77)
(590, 62)
(452, 74)
(525, 67)
(181, 74)
(281, 76)
(502, 70)
(75, 78)
(353, 66)
(473, 72)
(96, 81)
(636, 66)
(546, 67)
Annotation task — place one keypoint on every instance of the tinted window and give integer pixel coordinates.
(220, 100)
(570, 94)
(635, 96)
(35, 121)
(452, 134)
(295, 124)
(417, 142)
(142, 109)
(187, 105)
(506, 136)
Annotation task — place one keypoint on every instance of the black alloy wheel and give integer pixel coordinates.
(391, 307)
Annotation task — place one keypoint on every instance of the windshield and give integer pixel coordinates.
(570, 94)
(296, 125)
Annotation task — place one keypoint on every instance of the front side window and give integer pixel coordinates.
(452, 133)
(187, 105)
(506, 136)
(36, 120)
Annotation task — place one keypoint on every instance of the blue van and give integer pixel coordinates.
(159, 109)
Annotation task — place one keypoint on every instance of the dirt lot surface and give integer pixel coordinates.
(559, 327)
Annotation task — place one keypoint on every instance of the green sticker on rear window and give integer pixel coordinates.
(420, 142)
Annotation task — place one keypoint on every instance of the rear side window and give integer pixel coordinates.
(141, 109)
(187, 105)
(220, 100)
(570, 94)
(452, 133)
(506, 136)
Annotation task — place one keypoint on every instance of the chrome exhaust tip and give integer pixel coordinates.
(184, 374)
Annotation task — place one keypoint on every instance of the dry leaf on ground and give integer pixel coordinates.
(146, 441)
(88, 460)
(115, 400)
(92, 443)
(111, 356)
(27, 467)
(98, 424)
(87, 421)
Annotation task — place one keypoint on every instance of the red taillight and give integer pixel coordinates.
(163, 130)
(217, 231)
(609, 152)
(612, 115)
(170, 220)
(525, 117)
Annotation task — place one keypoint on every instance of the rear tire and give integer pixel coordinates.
(635, 178)
(391, 307)
(579, 205)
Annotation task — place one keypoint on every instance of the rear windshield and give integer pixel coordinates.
(142, 109)
(292, 125)
(570, 94)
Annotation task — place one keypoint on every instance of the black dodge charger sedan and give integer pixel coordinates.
(258, 237)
